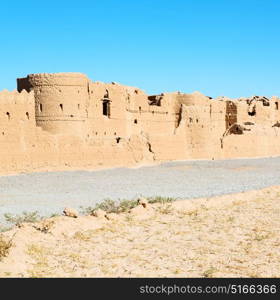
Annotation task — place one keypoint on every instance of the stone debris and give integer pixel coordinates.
(99, 213)
(112, 216)
(70, 212)
(143, 201)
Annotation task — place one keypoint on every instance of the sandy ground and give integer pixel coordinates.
(225, 236)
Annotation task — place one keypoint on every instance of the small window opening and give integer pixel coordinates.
(190, 119)
(104, 132)
(135, 121)
(27, 115)
(196, 120)
(3, 133)
(61, 107)
(118, 139)
(115, 133)
(140, 108)
(252, 113)
(78, 106)
(41, 107)
(276, 105)
(266, 103)
(8, 115)
(106, 94)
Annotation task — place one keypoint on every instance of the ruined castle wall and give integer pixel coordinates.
(260, 141)
(205, 124)
(65, 121)
(159, 120)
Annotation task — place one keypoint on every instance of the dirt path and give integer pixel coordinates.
(50, 192)
(227, 236)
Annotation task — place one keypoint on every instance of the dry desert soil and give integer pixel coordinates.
(233, 235)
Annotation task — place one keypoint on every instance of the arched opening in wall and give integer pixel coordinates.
(276, 105)
(40, 107)
(27, 115)
(140, 109)
(61, 107)
(78, 106)
(135, 121)
(8, 115)
(106, 96)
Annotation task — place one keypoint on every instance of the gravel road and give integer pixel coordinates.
(50, 192)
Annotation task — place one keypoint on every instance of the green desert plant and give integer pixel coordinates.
(122, 205)
(26, 217)
(160, 199)
(4, 228)
(110, 206)
(126, 205)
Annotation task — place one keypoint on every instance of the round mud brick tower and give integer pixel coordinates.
(61, 101)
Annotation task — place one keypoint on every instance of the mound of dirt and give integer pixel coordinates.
(228, 236)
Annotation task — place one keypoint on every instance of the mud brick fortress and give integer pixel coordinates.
(65, 121)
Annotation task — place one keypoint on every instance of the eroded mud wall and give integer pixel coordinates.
(65, 121)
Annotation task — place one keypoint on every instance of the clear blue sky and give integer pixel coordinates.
(218, 47)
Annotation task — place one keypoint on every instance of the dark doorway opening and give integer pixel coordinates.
(106, 108)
